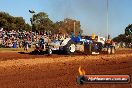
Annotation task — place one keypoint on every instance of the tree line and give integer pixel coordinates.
(9, 22)
(126, 37)
(40, 22)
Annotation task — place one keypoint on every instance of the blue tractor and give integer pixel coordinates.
(68, 45)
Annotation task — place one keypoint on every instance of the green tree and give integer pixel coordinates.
(41, 22)
(20, 22)
(128, 30)
(126, 37)
(9, 22)
(67, 26)
(27, 27)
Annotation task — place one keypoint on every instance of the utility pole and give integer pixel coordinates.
(32, 12)
(107, 18)
(74, 28)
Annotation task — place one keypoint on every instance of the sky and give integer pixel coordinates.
(92, 14)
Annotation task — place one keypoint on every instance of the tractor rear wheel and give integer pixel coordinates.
(108, 50)
(112, 50)
(70, 48)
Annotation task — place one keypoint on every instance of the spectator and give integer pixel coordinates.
(26, 45)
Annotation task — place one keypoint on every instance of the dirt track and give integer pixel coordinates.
(60, 71)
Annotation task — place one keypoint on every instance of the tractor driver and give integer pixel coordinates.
(42, 43)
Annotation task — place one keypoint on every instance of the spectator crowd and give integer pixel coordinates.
(20, 39)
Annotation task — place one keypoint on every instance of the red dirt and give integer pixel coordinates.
(60, 71)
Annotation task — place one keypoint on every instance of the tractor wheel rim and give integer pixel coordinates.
(72, 48)
(108, 50)
(50, 51)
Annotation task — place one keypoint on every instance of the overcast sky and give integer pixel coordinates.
(91, 13)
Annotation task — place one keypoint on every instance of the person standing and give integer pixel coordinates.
(26, 45)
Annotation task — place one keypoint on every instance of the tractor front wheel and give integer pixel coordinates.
(49, 51)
